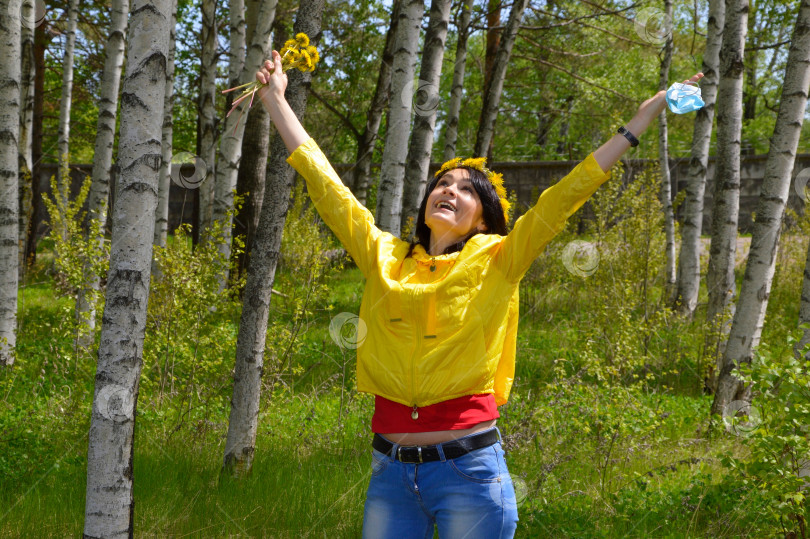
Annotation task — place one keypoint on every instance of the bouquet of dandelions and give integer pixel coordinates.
(296, 53)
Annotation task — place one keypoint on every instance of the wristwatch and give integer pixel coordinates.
(628, 135)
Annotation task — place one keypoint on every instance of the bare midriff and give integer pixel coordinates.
(437, 436)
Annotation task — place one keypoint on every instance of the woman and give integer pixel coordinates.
(441, 318)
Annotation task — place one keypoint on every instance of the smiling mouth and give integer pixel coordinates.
(446, 206)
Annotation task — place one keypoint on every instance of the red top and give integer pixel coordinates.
(461, 413)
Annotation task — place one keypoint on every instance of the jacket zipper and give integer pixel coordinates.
(417, 325)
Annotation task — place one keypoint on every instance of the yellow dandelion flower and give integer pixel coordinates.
(506, 209)
(453, 163)
(313, 53)
(290, 60)
(302, 39)
(305, 62)
(477, 162)
(291, 44)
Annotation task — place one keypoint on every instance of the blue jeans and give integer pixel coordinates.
(468, 497)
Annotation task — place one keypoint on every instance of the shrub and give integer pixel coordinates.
(776, 430)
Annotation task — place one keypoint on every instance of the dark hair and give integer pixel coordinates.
(491, 205)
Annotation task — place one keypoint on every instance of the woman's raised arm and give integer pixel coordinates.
(292, 132)
(538, 226)
(351, 222)
(608, 154)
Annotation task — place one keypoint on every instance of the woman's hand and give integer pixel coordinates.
(272, 75)
(651, 108)
(289, 127)
(608, 154)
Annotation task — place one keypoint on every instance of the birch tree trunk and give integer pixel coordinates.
(236, 50)
(67, 94)
(746, 328)
(243, 422)
(250, 179)
(41, 39)
(230, 146)
(492, 93)
(720, 275)
(663, 158)
(164, 181)
(451, 132)
(392, 169)
(689, 262)
(365, 148)
(102, 159)
(25, 186)
(416, 171)
(239, 28)
(208, 119)
(9, 176)
(109, 509)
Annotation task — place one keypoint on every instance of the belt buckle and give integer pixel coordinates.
(418, 453)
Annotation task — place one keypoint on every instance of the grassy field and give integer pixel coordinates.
(591, 456)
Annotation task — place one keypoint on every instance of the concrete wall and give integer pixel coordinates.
(522, 177)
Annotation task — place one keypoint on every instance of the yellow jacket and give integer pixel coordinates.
(441, 333)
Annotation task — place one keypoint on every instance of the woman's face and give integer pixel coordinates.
(453, 208)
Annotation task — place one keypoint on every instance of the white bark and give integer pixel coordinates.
(689, 262)
(725, 213)
(103, 151)
(230, 146)
(392, 169)
(208, 119)
(451, 133)
(663, 158)
(67, 93)
(492, 94)
(236, 51)
(240, 445)
(426, 95)
(109, 504)
(9, 176)
(164, 182)
(746, 328)
(26, 124)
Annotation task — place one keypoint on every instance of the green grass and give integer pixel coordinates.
(312, 460)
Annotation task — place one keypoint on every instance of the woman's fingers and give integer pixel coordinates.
(694, 78)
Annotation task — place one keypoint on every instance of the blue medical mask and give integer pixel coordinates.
(683, 98)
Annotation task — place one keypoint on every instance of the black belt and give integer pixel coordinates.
(428, 453)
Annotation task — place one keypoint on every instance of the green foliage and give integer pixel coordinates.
(302, 276)
(776, 431)
(73, 254)
(76, 255)
(188, 346)
(628, 333)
